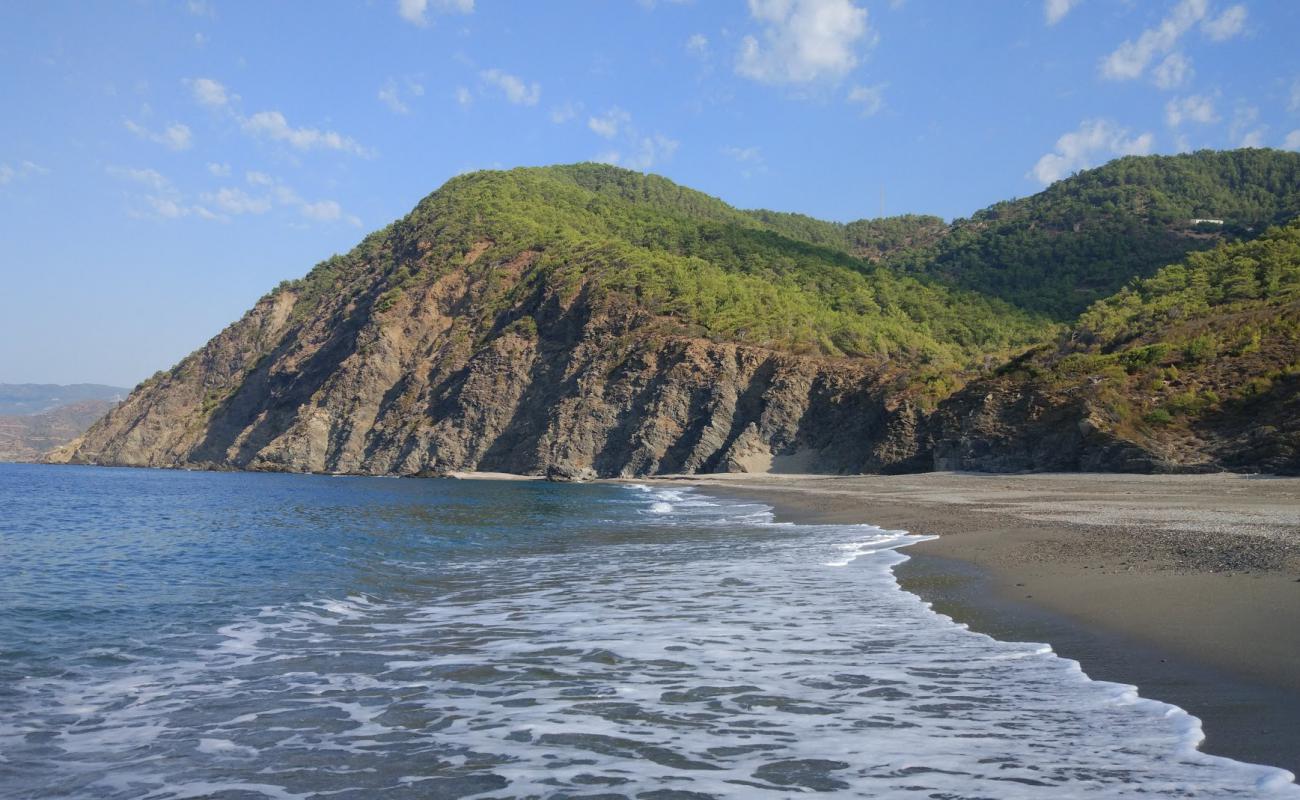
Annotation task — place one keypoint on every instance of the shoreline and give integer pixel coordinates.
(1187, 586)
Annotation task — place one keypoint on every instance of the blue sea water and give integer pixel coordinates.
(183, 634)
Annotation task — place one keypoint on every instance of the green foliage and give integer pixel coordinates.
(388, 299)
(1207, 284)
(1158, 416)
(866, 238)
(1083, 238)
(711, 269)
(1221, 324)
(524, 327)
(1198, 349)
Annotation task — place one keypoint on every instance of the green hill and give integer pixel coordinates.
(1083, 238)
(587, 320)
(1198, 365)
(701, 266)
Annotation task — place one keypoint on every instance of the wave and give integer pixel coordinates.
(700, 649)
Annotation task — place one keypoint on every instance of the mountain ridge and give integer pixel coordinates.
(584, 320)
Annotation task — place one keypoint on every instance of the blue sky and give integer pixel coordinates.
(164, 164)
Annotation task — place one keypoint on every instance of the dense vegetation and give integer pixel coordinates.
(1083, 238)
(690, 260)
(1210, 336)
(942, 302)
(871, 239)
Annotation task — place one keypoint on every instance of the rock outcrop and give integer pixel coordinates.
(566, 387)
(586, 321)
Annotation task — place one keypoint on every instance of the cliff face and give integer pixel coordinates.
(587, 321)
(558, 382)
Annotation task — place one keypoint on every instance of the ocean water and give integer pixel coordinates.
(176, 634)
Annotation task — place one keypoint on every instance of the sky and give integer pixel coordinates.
(165, 164)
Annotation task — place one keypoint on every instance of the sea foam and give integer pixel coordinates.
(700, 650)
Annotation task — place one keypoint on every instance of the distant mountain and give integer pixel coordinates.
(27, 437)
(587, 320)
(35, 398)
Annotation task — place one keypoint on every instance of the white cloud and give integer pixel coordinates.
(390, 97)
(323, 211)
(749, 159)
(698, 44)
(803, 40)
(236, 201)
(743, 154)
(1196, 108)
(1243, 131)
(151, 178)
(515, 89)
(391, 93)
(1131, 58)
(464, 96)
(609, 123)
(416, 11)
(200, 8)
(163, 200)
(1173, 72)
(1227, 25)
(174, 137)
(1294, 104)
(273, 125)
(871, 98)
(209, 92)
(635, 151)
(1055, 10)
(1254, 138)
(1076, 150)
(25, 169)
(651, 150)
(1292, 141)
(562, 114)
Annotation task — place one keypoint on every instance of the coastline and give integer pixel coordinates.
(1186, 586)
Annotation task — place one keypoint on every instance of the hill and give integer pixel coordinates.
(1196, 368)
(1083, 238)
(35, 398)
(27, 437)
(587, 320)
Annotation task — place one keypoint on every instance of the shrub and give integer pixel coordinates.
(1158, 416)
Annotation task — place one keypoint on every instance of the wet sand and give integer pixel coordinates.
(1187, 586)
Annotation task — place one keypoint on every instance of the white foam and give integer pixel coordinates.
(725, 654)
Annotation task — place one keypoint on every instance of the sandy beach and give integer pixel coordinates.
(1187, 586)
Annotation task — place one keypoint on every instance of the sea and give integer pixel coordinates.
(172, 634)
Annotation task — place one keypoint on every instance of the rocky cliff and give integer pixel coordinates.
(416, 356)
(587, 321)
(555, 385)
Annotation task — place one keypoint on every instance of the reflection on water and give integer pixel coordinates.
(214, 635)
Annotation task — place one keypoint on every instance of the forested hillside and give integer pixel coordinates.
(588, 320)
(1197, 366)
(1083, 238)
